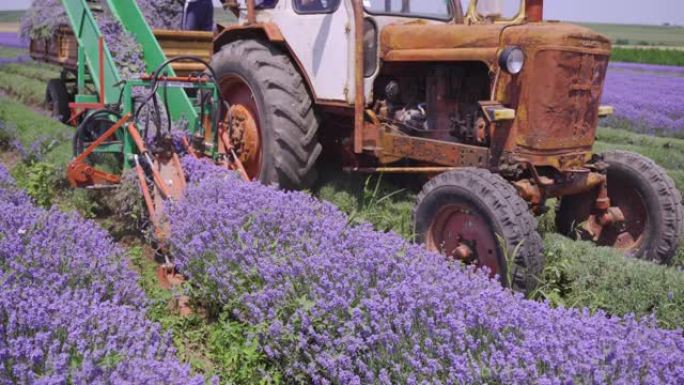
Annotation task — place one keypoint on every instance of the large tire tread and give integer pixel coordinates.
(510, 211)
(663, 201)
(669, 201)
(288, 111)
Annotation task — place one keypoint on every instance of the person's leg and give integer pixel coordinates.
(210, 17)
(207, 23)
(190, 19)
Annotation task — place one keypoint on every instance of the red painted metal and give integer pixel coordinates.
(81, 174)
(146, 193)
(462, 234)
(158, 181)
(534, 10)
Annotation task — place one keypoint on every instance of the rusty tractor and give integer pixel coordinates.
(498, 108)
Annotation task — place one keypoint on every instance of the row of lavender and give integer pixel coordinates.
(648, 98)
(347, 305)
(71, 310)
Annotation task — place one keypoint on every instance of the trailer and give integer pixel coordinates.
(61, 49)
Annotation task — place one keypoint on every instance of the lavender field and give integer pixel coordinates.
(71, 310)
(11, 39)
(343, 304)
(648, 98)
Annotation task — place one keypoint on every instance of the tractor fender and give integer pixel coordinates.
(264, 32)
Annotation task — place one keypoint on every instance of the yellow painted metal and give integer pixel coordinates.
(502, 114)
(474, 17)
(605, 111)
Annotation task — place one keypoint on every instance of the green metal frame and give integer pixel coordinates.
(125, 144)
(129, 15)
(171, 94)
(88, 35)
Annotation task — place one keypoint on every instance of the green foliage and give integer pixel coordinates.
(666, 152)
(32, 70)
(30, 126)
(26, 81)
(10, 16)
(578, 274)
(671, 57)
(26, 90)
(372, 200)
(9, 52)
(668, 36)
(216, 346)
(38, 179)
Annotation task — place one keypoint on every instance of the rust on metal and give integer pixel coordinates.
(149, 203)
(460, 233)
(251, 13)
(487, 55)
(359, 94)
(399, 170)
(433, 151)
(534, 10)
(81, 174)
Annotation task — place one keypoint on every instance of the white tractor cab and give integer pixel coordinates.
(497, 108)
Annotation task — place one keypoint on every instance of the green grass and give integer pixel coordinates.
(581, 275)
(9, 52)
(672, 57)
(26, 81)
(221, 347)
(26, 90)
(625, 34)
(10, 16)
(31, 126)
(667, 152)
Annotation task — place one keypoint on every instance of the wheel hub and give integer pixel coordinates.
(244, 134)
(462, 234)
(244, 126)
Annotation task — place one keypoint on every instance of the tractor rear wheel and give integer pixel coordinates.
(649, 200)
(57, 100)
(477, 217)
(274, 124)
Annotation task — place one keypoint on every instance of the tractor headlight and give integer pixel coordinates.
(512, 60)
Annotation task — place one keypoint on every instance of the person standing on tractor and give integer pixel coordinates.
(198, 15)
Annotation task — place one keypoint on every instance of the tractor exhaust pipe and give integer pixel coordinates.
(534, 10)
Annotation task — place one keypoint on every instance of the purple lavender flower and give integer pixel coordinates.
(71, 310)
(344, 304)
(647, 98)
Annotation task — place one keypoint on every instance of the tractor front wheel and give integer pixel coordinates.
(477, 217)
(650, 202)
(274, 126)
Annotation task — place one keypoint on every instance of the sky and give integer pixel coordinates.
(605, 11)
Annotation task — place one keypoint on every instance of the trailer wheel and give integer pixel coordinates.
(649, 200)
(57, 100)
(274, 124)
(477, 217)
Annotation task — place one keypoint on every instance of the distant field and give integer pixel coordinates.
(10, 16)
(624, 34)
(670, 57)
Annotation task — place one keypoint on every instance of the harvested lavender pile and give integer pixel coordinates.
(71, 310)
(45, 16)
(347, 305)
